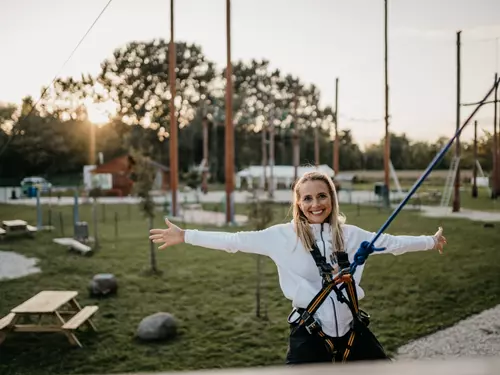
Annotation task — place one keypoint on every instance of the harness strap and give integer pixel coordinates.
(329, 284)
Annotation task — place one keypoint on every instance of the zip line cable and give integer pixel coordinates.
(4, 147)
(366, 248)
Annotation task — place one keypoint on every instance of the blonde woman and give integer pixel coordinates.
(316, 223)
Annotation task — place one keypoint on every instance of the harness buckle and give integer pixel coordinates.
(311, 325)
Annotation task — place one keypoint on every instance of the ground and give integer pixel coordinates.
(212, 293)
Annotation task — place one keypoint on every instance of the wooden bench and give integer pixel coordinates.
(73, 244)
(81, 317)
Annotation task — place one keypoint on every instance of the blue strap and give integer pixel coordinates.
(366, 248)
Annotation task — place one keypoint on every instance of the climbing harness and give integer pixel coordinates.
(339, 283)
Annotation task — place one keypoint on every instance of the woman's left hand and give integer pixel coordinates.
(439, 240)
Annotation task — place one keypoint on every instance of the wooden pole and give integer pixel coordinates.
(316, 146)
(474, 168)
(495, 180)
(456, 190)
(271, 157)
(205, 164)
(92, 144)
(387, 148)
(264, 156)
(336, 143)
(295, 142)
(229, 135)
(173, 121)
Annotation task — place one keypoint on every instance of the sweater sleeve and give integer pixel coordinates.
(257, 242)
(393, 244)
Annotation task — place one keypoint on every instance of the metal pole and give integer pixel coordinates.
(387, 148)
(474, 168)
(173, 121)
(456, 190)
(229, 155)
(336, 143)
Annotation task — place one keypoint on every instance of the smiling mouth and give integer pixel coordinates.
(317, 212)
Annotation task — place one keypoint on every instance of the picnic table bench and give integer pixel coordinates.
(54, 311)
(9, 227)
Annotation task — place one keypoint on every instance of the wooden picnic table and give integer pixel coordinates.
(54, 311)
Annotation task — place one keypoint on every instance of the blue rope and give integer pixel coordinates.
(366, 248)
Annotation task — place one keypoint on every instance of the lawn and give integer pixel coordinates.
(212, 294)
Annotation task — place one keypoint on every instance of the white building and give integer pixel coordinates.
(282, 175)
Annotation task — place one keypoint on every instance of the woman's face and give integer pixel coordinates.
(315, 201)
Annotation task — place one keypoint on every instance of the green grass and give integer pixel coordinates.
(212, 294)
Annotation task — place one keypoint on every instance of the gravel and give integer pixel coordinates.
(476, 336)
(14, 265)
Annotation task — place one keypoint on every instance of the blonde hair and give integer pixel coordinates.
(335, 219)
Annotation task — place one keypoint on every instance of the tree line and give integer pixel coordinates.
(53, 137)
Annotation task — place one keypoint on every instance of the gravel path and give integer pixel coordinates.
(476, 336)
(14, 265)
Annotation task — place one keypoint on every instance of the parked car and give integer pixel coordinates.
(28, 185)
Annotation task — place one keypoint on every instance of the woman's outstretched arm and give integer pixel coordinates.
(258, 242)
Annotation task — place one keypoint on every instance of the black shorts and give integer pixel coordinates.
(306, 348)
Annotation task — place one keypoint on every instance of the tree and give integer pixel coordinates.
(136, 78)
(261, 215)
(144, 176)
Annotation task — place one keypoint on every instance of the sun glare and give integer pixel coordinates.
(100, 113)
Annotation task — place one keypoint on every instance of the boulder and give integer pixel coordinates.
(103, 284)
(158, 326)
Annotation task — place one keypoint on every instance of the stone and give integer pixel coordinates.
(103, 284)
(158, 326)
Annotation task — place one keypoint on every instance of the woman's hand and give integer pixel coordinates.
(439, 240)
(173, 235)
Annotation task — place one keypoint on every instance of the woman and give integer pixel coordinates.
(316, 223)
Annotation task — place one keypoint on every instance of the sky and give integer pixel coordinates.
(317, 40)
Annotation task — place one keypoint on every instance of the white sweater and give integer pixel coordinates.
(298, 275)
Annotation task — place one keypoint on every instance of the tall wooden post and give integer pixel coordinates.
(92, 151)
(271, 157)
(316, 145)
(495, 180)
(295, 142)
(336, 143)
(205, 164)
(387, 145)
(264, 156)
(174, 163)
(229, 134)
(474, 167)
(456, 190)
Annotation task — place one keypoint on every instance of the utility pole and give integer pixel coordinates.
(387, 148)
(336, 143)
(174, 175)
(229, 134)
(456, 190)
(474, 168)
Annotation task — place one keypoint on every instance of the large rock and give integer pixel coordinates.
(103, 284)
(159, 326)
